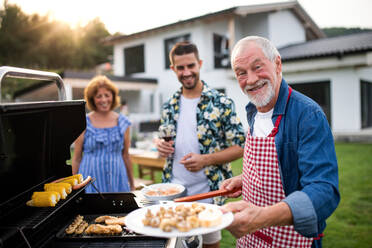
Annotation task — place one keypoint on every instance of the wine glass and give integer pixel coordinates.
(167, 132)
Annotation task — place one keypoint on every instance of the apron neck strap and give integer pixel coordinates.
(277, 122)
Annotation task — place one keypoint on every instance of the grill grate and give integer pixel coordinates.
(45, 213)
(33, 217)
(90, 220)
(42, 226)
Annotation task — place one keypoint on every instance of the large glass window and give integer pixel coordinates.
(169, 43)
(152, 99)
(221, 90)
(221, 51)
(319, 92)
(366, 103)
(134, 59)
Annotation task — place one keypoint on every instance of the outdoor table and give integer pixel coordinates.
(148, 162)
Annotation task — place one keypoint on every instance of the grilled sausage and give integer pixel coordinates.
(82, 184)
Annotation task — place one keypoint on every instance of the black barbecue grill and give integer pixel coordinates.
(35, 141)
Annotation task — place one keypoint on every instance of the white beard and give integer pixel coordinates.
(263, 99)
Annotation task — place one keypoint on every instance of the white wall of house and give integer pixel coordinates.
(256, 24)
(344, 76)
(203, 38)
(132, 99)
(201, 33)
(346, 100)
(281, 27)
(284, 28)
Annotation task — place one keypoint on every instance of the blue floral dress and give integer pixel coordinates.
(103, 159)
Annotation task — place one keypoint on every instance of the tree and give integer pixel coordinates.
(13, 40)
(33, 41)
(337, 31)
(90, 46)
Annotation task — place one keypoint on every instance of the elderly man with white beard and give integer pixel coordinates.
(289, 183)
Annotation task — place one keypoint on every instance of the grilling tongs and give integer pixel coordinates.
(210, 194)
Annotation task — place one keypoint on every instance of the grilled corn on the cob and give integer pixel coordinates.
(60, 188)
(39, 193)
(43, 199)
(79, 177)
(71, 181)
(67, 186)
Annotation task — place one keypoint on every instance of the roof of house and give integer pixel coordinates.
(312, 30)
(90, 75)
(335, 46)
(125, 82)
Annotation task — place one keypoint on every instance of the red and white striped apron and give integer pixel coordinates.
(262, 186)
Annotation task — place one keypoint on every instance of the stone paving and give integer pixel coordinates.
(363, 136)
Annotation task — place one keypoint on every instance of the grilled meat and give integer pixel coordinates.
(102, 229)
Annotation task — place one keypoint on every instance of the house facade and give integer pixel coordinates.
(145, 55)
(337, 73)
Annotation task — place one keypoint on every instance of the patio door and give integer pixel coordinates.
(319, 92)
(366, 103)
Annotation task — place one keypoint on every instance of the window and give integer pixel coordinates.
(319, 92)
(161, 102)
(366, 103)
(152, 99)
(149, 126)
(221, 51)
(221, 90)
(134, 59)
(169, 43)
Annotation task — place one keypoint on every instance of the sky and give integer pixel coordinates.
(131, 16)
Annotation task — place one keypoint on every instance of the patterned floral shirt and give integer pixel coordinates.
(218, 128)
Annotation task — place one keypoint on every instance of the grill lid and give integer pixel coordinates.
(35, 140)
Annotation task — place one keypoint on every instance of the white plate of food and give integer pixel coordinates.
(163, 191)
(178, 219)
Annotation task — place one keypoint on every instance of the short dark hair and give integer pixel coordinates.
(181, 48)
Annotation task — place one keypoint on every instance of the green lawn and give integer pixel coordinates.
(351, 223)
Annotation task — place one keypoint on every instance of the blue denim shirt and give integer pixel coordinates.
(307, 160)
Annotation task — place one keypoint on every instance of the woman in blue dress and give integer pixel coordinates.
(102, 150)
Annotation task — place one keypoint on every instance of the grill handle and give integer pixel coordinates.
(15, 72)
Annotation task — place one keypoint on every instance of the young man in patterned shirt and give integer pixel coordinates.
(209, 135)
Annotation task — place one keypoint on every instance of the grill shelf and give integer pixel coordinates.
(49, 211)
(36, 216)
(13, 204)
